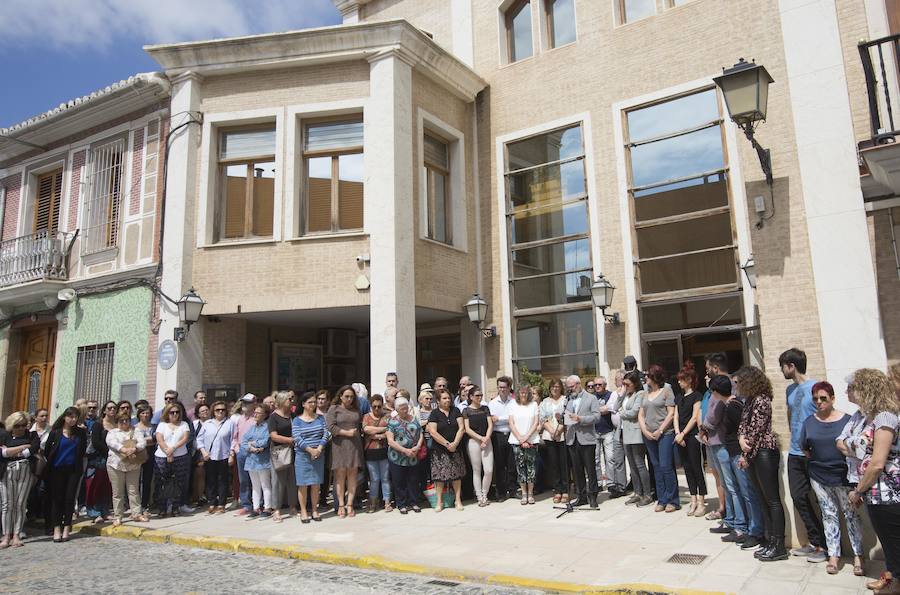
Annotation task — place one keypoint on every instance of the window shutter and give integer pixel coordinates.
(235, 199)
(436, 152)
(350, 205)
(319, 204)
(244, 144)
(334, 135)
(263, 205)
(46, 207)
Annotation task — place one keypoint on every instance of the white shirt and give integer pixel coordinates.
(525, 417)
(115, 439)
(500, 410)
(171, 436)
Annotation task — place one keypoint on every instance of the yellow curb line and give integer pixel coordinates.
(292, 552)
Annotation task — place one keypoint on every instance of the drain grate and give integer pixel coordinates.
(692, 559)
(441, 583)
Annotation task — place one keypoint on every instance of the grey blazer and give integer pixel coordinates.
(628, 411)
(588, 412)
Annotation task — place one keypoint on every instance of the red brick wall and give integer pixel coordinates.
(137, 170)
(75, 187)
(13, 185)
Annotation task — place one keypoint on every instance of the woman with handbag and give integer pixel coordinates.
(18, 447)
(127, 452)
(344, 422)
(310, 443)
(64, 451)
(405, 448)
(375, 429)
(282, 454)
(214, 445)
(173, 463)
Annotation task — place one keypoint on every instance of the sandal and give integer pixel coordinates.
(714, 516)
(831, 568)
(350, 512)
(556, 498)
(116, 523)
(531, 499)
(524, 500)
(859, 569)
(341, 512)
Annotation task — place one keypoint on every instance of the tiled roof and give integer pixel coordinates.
(134, 80)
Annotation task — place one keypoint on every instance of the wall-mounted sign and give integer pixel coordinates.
(168, 354)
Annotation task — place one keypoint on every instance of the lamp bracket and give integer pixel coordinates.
(488, 332)
(765, 155)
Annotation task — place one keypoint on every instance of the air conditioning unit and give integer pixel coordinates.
(340, 374)
(339, 342)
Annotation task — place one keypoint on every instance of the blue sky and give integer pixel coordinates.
(55, 50)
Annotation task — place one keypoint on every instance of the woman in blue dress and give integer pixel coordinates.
(310, 438)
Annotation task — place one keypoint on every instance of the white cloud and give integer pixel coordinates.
(98, 24)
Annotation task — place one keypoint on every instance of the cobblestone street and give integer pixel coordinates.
(104, 565)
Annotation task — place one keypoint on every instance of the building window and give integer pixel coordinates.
(518, 31)
(437, 181)
(635, 10)
(685, 246)
(560, 18)
(46, 204)
(100, 229)
(93, 372)
(246, 206)
(550, 256)
(333, 164)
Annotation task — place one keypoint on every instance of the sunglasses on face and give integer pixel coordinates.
(92, 406)
(219, 410)
(590, 386)
(174, 413)
(821, 399)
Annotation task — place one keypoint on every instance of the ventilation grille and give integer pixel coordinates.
(692, 559)
(441, 583)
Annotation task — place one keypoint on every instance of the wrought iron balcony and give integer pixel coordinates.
(39, 256)
(879, 154)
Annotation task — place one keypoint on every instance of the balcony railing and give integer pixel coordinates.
(41, 255)
(880, 62)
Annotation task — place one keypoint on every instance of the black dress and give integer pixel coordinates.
(446, 465)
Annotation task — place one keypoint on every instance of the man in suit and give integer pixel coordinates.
(582, 412)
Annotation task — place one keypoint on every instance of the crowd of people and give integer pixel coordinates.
(285, 454)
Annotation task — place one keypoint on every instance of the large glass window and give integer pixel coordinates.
(247, 176)
(550, 257)
(560, 18)
(682, 215)
(518, 30)
(633, 10)
(437, 185)
(333, 163)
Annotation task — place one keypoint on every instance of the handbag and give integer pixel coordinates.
(39, 464)
(282, 456)
(140, 456)
(169, 488)
(423, 452)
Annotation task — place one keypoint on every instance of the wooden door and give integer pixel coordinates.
(36, 367)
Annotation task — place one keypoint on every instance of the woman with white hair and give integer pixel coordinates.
(404, 438)
(362, 397)
(18, 446)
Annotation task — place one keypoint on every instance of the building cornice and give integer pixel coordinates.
(83, 113)
(324, 45)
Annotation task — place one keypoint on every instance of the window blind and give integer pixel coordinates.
(244, 144)
(329, 136)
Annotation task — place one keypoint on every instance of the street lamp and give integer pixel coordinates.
(189, 308)
(602, 294)
(745, 87)
(749, 269)
(476, 309)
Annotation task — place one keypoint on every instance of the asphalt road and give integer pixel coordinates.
(106, 565)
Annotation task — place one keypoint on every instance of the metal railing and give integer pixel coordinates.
(41, 255)
(880, 62)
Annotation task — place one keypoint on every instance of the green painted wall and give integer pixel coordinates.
(121, 318)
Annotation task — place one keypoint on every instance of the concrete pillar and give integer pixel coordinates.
(388, 198)
(178, 240)
(843, 271)
(463, 42)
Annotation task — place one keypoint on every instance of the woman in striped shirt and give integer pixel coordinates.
(310, 438)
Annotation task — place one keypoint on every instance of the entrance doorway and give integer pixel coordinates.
(35, 378)
(672, 350)
(438, 355)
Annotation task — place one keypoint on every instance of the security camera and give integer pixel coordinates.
(362, 258)
(65, 295)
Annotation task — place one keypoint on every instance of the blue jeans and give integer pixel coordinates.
(379, 473)
(662, 457)
(244, 479)
(712, 451)
(752, 504)
(734, 503)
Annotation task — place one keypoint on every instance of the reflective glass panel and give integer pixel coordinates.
(552, 258)
(719, 311)
(689, 272)
(553, 334)
(566, 288)
(552, 183)
(553, 146)
(685, 236)
(519, 24)
(584, 366)
(550, 222)
(562, 15)
(677, 157)
(674, 115)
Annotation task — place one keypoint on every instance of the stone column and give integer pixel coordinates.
(388, 197)
(178, 237)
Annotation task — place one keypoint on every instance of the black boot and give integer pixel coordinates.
(777, 552)
(592, 500)
(765, 547)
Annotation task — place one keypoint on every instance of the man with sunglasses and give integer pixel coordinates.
(170, 397)
(92, 413)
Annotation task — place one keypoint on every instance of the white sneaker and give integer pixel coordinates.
(185, 509)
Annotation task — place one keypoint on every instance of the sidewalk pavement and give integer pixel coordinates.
(617, 549)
